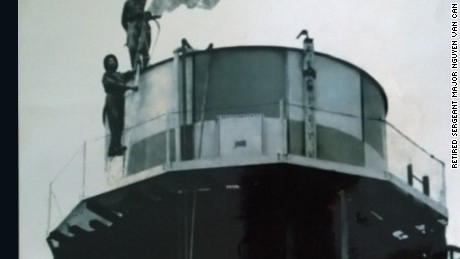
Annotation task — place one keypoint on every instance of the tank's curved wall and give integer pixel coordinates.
(338, 110)
(373, 126)
(246, 100)
(240, 82)
(146, 118)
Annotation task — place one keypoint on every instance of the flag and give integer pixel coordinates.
(157, 7)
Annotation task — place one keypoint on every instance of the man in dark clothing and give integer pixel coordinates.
(136, 24)
(114, 110)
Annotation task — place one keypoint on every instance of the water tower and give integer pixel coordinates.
(260, 152)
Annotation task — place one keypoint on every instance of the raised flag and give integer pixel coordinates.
(158, 7)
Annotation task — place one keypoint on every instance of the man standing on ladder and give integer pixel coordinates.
(136, 24)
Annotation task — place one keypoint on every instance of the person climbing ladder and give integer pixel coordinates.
(136, 24)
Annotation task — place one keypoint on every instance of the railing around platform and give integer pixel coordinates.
(160, 142)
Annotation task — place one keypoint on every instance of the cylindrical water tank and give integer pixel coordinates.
(242, 101)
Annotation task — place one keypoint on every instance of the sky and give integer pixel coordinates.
(404, 45)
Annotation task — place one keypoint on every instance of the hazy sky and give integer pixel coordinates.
(403, 44)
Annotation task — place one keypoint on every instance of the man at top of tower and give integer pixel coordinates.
(115, 86)
(136, 24)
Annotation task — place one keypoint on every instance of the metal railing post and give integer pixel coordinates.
(283, 121)
(443, 183)
(168, 154)
(410, 175)
(49, 208)
(84, 172)
(426, 185)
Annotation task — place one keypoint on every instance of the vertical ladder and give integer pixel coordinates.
(309, 77)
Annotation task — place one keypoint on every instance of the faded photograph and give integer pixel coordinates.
(206, 129)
